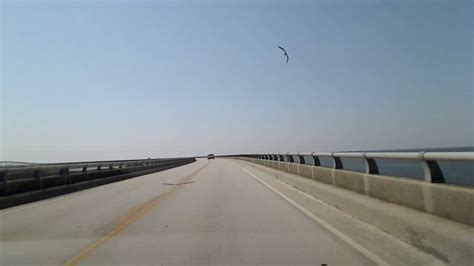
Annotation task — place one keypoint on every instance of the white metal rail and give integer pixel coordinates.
(428, 160)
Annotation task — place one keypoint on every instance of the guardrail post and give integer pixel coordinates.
(316, 161)
(36, 174)
(371, 166)
(337, 162)
(302, 160)
(65, 173)
(3, 174)
(290, 158)
(432, 172)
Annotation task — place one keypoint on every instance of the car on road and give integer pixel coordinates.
(211, 156)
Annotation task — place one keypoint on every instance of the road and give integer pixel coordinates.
(219, 215)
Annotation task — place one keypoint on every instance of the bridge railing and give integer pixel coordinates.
(429, 160)
(15, 179)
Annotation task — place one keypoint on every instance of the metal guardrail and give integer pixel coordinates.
(4, 164)
(429, 160)
(26, 178)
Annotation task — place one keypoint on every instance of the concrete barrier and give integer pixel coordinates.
(349, 180)
(396, 190)
(306, 171)
(448, 201)
(323, 174)
(27, 197)
(274, 164)
(283, 166)
(293, 168)
(452, 202)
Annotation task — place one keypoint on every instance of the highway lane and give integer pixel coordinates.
(224, 216)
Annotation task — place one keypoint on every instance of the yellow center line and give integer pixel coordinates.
(132, 216)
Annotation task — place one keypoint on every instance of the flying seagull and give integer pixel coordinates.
(283, 49)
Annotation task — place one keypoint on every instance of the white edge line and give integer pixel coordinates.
(327, 226)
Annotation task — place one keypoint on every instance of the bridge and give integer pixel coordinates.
(274, 209)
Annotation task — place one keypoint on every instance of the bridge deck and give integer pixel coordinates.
(221, 215)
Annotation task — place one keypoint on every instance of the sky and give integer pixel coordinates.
(97, 80)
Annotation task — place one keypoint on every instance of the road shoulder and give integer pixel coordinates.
(377, 242)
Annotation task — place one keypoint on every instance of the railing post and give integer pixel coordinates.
(337, 162)
(371, 166)
(302, 160)
(290, 158)
(6, 190)
(37, 175)
(281, 158)
(316, 161)
(65, 173)
(431, 170)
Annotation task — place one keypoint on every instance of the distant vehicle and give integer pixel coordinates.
(210, 156)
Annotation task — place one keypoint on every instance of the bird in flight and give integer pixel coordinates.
(283, 49)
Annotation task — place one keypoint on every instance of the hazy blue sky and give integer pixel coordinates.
(108, 80)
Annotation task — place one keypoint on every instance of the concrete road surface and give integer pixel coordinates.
(218, 215)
